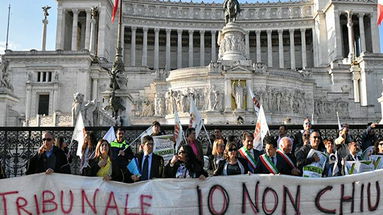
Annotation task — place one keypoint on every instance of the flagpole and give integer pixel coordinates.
(9, 17)
(207, 134)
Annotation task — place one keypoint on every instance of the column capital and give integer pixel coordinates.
(361, 15)
(179, 31)
(88, 11)
(213, 32)
(280, 31)
(201, 32)
(269, 31)
(191, 31)
(291, 31)
(75, 11)
(168, 30)
(134, 28)
(145, 29)
(303, 30)
(156, 30)
(258, 31)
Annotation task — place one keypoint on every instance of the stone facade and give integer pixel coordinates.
(301, 58)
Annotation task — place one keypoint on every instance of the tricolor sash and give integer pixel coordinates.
(248, 156)
(286, 158)
(268, 164)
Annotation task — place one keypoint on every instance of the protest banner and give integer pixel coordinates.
(377, 160)
(164, 146)
(315, 169)
(241, 194)
(356, 167)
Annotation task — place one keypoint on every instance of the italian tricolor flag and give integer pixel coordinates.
(380, 11)
(115, 7)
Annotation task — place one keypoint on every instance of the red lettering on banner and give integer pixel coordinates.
(370, 206)
(37, 204)
(246, 195)
(3, 195)
(51, 201)
(109, 204)
(85, 198)
(264, 206)
(344, 198)
(199, 196)
(126, 210)
(295, 204)
(318, 204)
(361, 197)
(20, 206)
(144, 204)
(70, 202)
(226, 200)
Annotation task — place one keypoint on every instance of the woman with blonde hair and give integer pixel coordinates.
(102, 165)
(217, 153)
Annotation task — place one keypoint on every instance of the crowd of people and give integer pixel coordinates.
(281, 154)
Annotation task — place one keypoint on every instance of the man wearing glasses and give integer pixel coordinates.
(150, 164)
(48, 158)
(301, 154)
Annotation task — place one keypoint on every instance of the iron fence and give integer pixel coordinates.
(19, 144)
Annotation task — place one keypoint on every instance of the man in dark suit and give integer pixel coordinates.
(248, 153)
(49, 158)
(150, 164)
(271, 161)
(286, 145)
(300, 135)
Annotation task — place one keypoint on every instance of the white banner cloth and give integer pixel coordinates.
(243, 194)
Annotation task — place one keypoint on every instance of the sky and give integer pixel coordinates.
(25, 30)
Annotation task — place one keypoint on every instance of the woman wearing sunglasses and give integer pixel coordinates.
(184, 165)
(102, 165)
(231, 165)
(378, 147)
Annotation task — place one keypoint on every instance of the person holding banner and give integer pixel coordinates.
(301, 154)
(272, 162)
(150, 164)
(49, 158)
(185, 165)
(248, 153)
(368, 137)
(231, 164)
(102, 165)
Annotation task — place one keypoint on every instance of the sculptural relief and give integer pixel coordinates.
(89, 112)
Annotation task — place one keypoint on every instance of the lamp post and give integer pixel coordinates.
(115, 101)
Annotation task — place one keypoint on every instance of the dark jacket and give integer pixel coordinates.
(282, 166)
(256, 155)
(39, 163)
(2, 173)
(195, 170)
(117, 173)
(200, 151)
(301, 156)
(367, 140)
(157, 166)
(222, 163)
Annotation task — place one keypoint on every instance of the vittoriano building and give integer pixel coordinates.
(309, 58)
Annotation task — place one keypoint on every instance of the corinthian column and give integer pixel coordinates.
(167, 64)
(145, 47)
(179, 48)
(156, 48)
(280, 43)
(304, 55)
(258, 45)
(202, 48)
(350, 31)
(191, 48)
(292, 49)
(133, 47)
(74, 29)
(269, 49)
(213, 46)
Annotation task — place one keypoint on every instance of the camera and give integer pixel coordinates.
(331, 158)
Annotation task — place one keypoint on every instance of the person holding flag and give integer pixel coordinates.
(248, 153)
(272, 162)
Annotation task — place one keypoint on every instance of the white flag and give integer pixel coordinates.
(261, 130)
(195, 117)
(110, 135)
(178, 132)
(339, 125)
(147, 132)
(78, 134)
(254, 99)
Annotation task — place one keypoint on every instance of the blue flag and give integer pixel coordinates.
(133, 167)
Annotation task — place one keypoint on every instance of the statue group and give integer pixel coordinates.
(231, 10)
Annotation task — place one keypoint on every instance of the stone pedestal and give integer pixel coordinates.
(232, 43)
(7, 100)
(127, 103)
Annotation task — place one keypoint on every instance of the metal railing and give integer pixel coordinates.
(19, 144)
